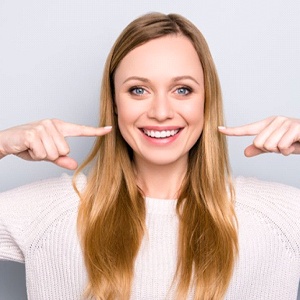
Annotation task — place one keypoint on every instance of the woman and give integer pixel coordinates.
(159, 216)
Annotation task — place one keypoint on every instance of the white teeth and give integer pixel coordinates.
(160, 134)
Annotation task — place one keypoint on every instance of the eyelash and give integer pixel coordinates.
(188, 90)
(134, 88)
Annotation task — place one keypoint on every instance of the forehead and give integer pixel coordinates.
(172, 55)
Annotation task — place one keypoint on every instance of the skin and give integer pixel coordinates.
(159, 86)
(45, 140)
(160, 168)
(274, 135)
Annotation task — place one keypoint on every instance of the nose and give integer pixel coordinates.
(161, 108)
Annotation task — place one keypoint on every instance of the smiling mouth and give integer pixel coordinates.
(160, 134)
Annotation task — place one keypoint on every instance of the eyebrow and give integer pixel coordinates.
(175, 79)
(178, 78)
(136, 78)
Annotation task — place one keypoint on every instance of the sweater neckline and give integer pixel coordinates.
(161, 206)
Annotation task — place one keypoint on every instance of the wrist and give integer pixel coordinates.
(2, 152)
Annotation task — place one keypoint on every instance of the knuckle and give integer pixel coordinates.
(45, 123)
(40, 128)
(282, 145)
(272, 119)
(65, 151)
(39, 155)
(287, 123)
(280, 119)
(43, 156)
(30, 135)
(56, 122)
(43, 126)
(270, 147)
(296, 126)
(58, 125)
(258, 144)
(52, 156)
(285, 151)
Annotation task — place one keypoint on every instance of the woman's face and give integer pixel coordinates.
(159, 96)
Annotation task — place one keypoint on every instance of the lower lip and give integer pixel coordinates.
(161, 141)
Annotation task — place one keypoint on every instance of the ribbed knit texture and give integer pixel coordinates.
(38, 227)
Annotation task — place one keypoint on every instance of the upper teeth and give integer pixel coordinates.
(160, 134)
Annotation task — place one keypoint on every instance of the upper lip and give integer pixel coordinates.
(161, 128)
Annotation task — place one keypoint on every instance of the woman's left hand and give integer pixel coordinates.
(274, 134)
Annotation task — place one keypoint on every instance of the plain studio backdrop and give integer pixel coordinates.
(51, 61)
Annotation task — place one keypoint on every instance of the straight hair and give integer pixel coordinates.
(111, 218)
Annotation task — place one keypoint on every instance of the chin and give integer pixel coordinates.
(164, 159)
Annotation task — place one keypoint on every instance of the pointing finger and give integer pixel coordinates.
(81, 130)
(246, 130)
(71, 130)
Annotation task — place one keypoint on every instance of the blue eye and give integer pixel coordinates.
(137, 91)
(183, 91)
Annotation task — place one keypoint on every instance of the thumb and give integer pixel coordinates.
(66, 162)
(251, 151)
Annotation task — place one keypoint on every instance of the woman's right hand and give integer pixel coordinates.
(45, 140)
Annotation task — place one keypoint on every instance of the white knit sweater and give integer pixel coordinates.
(38, 227)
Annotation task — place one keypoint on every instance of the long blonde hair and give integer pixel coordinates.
(111, 218)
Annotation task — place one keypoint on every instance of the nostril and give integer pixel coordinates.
(161, 113)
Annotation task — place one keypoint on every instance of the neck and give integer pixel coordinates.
(160, 181)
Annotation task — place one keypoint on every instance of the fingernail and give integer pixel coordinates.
(107, 127)
(221, 127)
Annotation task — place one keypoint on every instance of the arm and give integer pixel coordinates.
(274, 134)
(29, 212)
(20, 208)
(45, 140)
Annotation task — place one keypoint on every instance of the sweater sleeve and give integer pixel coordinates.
(14, 218)
(24, 212)
(279, 205)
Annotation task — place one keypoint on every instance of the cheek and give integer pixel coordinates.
(195, 118)
(127, 116)
(194, 113)
(122, 122)
(129, 111)
(124, 128)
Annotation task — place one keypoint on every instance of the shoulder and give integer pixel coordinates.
(33, 198)
(268, 197)
(30, 213)
(46, 187)
(253, 190)
(270, 207)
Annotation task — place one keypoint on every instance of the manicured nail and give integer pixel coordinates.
(221, 127)
(107, 127)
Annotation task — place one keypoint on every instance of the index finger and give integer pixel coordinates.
(72, 130)
(246, 130)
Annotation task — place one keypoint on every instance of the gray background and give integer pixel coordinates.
(51, 59)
